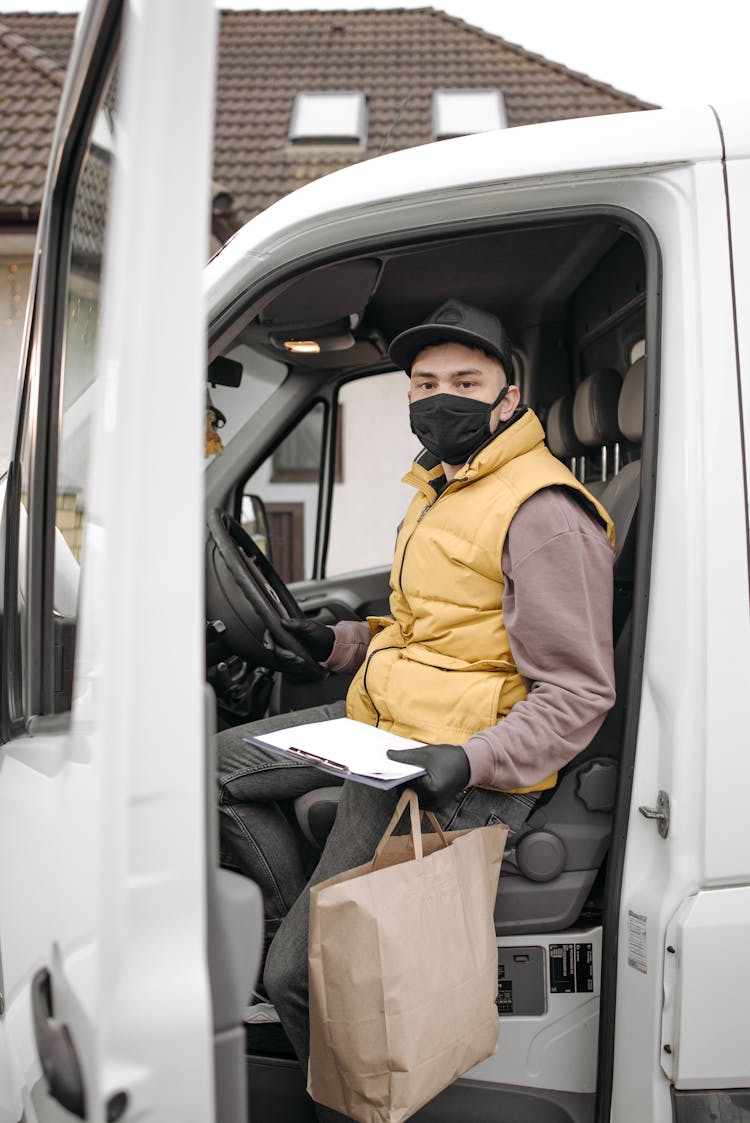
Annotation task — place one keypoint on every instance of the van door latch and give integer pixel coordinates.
(58, 1056)
(660, 813)
(57, 1051)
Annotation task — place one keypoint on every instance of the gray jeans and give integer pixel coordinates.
(258, 839)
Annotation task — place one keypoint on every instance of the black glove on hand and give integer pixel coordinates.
(317, 639)
(448, 771)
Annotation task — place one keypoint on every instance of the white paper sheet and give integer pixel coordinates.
(347, 746)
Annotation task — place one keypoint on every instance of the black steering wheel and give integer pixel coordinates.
(245, 592)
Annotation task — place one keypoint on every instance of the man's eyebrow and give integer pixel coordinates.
(452, 374)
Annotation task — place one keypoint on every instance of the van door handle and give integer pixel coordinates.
(56, 1049)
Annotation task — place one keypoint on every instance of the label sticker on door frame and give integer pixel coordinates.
(637, 941)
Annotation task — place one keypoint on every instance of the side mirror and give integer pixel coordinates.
(254, 519)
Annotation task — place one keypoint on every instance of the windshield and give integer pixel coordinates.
(230, 407)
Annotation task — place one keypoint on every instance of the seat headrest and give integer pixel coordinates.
(630, 409)
(595, 408)
(561, 436)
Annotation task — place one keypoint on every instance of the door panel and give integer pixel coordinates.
(49, 823)
(348, 596)
(706, 995)
(143, 594)
(690, 723)
(103, 820)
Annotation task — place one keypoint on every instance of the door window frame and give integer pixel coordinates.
(634, 223)
(30, 683)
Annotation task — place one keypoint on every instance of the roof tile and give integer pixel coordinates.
(396, 56)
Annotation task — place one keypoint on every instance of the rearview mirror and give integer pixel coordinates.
(225, 372)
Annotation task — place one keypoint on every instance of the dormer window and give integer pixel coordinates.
(460, 112)
(328, 118)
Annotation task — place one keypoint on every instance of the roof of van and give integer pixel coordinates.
(500, 162)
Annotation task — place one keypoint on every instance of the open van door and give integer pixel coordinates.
(106, 932)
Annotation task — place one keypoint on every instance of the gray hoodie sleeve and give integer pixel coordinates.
(351, 639)
(557, 608)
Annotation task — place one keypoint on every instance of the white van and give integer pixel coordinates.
(617, 251)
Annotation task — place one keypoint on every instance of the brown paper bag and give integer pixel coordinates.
(403, 970)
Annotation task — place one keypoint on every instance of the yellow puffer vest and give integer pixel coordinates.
(441, 668)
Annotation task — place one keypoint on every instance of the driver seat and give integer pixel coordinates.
(550, 869)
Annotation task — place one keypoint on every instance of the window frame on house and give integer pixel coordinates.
(308, 104)
(445, 110)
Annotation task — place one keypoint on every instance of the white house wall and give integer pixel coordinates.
(378, 448)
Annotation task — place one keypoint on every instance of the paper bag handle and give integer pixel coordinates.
(409, 796)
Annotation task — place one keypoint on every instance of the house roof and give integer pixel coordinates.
(30, 86)
(396, 56)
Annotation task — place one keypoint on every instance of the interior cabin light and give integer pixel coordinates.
(336, 335)
(302, 346)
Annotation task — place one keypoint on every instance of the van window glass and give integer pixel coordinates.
(235, 405)
(19, 652)
(377, 448)
(288, 483)
(15, 277)
(78, 372)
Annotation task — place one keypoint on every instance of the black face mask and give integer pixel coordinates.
(452, 427)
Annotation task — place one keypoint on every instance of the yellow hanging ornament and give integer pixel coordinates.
(214, 447)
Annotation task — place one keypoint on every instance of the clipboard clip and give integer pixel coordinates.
(319, 760)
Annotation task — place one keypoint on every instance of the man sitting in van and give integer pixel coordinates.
(497, 652)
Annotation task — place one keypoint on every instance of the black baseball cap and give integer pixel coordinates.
(454, 322)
